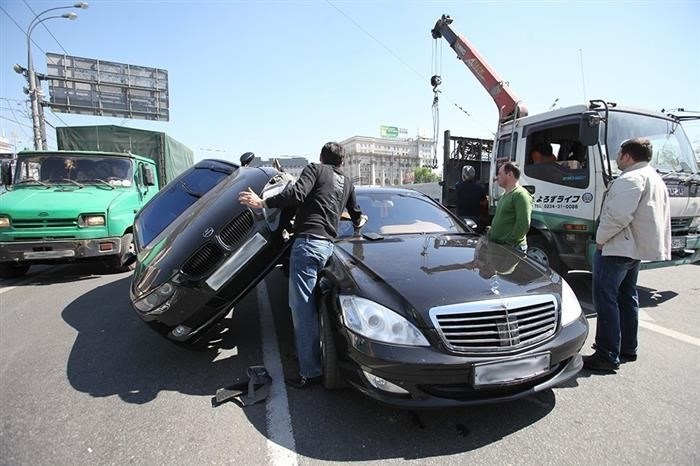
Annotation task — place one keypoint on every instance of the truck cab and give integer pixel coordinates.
(568, 191)
(67, 206)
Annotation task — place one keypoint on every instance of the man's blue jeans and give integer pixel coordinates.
(616, 302)
(308, 257)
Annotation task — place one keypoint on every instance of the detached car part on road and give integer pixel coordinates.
(415, 311)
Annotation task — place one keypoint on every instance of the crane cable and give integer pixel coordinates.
(435, 81)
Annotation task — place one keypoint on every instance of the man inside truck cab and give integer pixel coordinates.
(119, 173)
(542, 153)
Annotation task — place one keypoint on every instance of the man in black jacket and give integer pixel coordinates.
(320, 195)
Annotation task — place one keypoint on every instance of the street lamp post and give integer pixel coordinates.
(38, 124)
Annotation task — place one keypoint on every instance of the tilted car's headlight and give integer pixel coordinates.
(157, 300)
(86, 220)
(694, 224)
(377, 322)
(570, 307)
(5, 222)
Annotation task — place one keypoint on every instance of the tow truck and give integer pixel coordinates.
(568, 194)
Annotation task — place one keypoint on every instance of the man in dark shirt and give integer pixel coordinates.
(470, 196)
(320, 195)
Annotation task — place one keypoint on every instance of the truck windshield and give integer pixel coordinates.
(672, 150)
(61, 168)
(174, 199)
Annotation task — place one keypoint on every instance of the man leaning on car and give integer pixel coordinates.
(320, 195)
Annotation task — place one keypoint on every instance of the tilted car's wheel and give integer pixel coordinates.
(13, 269)
(539, 249)
(332, 379)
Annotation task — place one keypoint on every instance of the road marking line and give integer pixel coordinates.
(281, 446)
(670, 333)
(6, 289)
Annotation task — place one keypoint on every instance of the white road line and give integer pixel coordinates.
(281, 446)
(6, 289)
(670, 333)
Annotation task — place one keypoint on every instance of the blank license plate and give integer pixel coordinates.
(49, 254)
(510, 370)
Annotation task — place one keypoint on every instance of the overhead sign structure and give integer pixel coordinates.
(96, 87)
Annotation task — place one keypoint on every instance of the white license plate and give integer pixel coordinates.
(510, 371)
(678, 243)
(49, 254)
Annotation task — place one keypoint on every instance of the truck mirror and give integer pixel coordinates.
(6, 173)
(148, 178)
(588, 130)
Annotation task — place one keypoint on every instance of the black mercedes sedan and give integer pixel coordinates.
(199, 250)
(417, 311)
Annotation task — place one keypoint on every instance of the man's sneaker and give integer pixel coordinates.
(597, 363)
(628, 357)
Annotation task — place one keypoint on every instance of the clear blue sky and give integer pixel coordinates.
(283, 77)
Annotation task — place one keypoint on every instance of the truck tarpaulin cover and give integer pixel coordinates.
(171, 156)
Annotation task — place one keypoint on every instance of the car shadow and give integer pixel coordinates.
(115, 353)
(39, 275)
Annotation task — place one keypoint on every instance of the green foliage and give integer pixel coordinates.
(424, 175)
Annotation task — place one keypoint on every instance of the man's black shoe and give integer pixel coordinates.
(597, 363)
(303, 382)
(628, 357)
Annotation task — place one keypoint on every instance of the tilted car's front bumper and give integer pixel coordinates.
(436, 379)
(58, 250)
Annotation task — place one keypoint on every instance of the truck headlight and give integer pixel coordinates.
(570, 307)
(5, 222)
(694, 224)
(91, 220)
(157, 300)
(376, 322)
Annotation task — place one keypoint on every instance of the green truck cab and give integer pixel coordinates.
(79, 205)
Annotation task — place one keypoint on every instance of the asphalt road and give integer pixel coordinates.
(84, 381)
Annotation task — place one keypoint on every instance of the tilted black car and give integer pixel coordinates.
(194, 238)
(416, 310)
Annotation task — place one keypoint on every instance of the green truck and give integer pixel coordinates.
(78, 203)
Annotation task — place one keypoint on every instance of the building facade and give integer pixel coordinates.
(385, 162)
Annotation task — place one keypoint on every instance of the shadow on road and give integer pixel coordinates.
(116, 354)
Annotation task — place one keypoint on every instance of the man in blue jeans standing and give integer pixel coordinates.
(635, 225)
(320, 195)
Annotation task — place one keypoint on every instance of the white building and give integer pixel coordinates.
(382, 161)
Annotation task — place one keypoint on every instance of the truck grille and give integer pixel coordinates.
(680, 223)
(238, 229)
(44, 223)
(497, 325)
(203, 260)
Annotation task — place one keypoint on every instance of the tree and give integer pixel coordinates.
(424, 175)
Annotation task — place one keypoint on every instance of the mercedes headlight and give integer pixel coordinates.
(570, 307)
(376, 322)
(157, 300)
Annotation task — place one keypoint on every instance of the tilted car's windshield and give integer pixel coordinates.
(75, 170)
(672, 150)
(401, 213)
(174, 200)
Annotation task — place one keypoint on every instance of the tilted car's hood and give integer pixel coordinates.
(64, 202)
(435, 270)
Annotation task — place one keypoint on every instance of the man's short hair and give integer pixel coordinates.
(640, 149)
(333, 154)
(543, 148)
(512, 167)
(468, 173)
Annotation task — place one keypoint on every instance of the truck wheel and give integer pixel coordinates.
(332, 379)
(539, 249)
(116, 263)
(13, 269)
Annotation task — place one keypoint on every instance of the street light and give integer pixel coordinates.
(38, 123)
